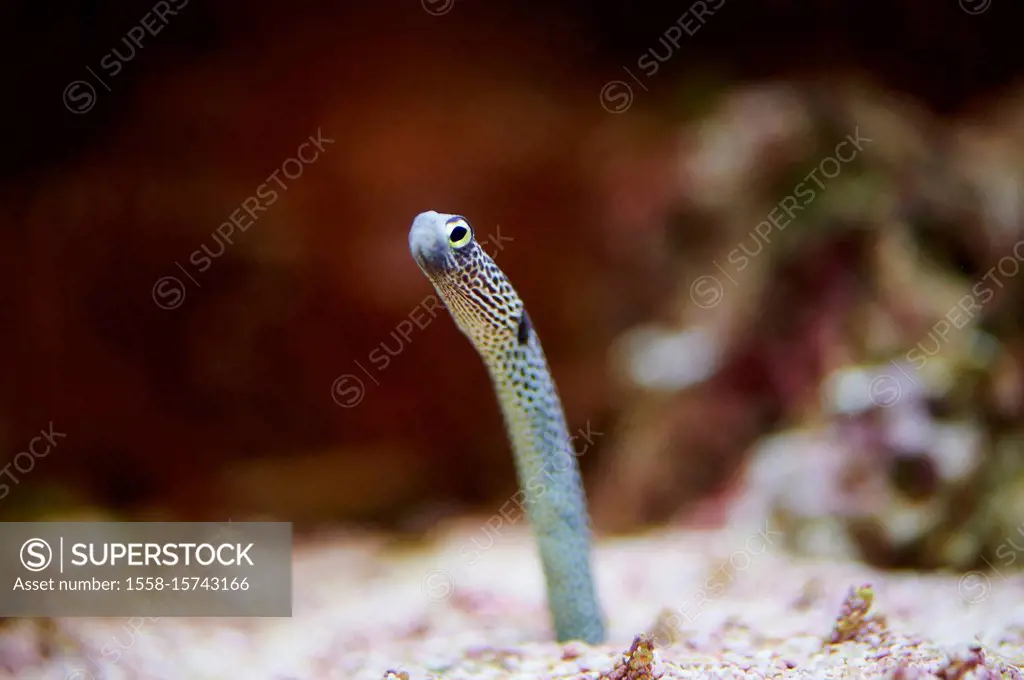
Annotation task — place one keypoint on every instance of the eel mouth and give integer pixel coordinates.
(428, 244)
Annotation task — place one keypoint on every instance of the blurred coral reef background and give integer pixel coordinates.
(732, 370)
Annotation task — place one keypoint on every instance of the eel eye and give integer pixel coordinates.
(460, 234)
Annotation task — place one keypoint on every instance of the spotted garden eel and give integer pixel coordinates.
(488, 311)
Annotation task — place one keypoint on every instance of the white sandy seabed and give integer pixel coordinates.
(718, 604)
